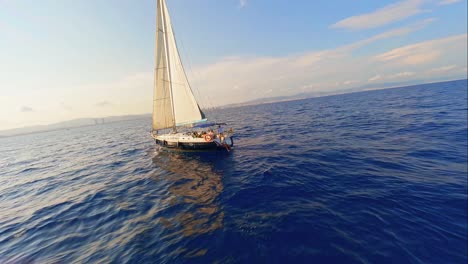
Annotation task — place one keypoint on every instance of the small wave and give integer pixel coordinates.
(359, 178)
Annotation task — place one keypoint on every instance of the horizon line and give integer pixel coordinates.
(275, 99)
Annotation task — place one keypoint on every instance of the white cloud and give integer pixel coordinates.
(443, 69)
(402, 75)
(26, 109)
(423, 52)
(392, 33)
(103, 104)
(383, 16)
(349, 82)
(448, 2)
(243, 3)
(375, 78)
(66, 107)
(316, 57)
(399, 76)
(238, 79)
(451, 71)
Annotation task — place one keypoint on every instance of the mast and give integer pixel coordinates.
(169, 76)
(155, 66)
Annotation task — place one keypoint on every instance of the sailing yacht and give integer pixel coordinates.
(175, 109)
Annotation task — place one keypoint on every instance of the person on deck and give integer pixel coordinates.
(210, 133)
(221, 133)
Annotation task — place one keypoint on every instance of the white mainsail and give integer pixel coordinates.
(174, 103)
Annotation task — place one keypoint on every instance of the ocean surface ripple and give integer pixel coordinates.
(369, 177)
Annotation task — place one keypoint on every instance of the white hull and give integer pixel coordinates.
(187, 141)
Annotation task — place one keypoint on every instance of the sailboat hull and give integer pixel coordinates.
(188, 146)
(182, 142)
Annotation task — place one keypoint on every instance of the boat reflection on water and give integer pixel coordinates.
(191, 201)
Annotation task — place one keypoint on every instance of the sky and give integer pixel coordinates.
(67, 59)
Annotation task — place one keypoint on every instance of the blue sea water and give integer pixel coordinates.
(369, 177)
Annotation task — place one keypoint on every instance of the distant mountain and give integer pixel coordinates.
(300, 96)
(69, 124)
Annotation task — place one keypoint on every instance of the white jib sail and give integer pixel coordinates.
(174, 103)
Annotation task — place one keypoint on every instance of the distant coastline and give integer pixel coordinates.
(364, 88)
(82, 122)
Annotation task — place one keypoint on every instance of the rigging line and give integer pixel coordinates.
(196, 73)
(180, 61)
(212, 109)
(188, 56)
(184, 51)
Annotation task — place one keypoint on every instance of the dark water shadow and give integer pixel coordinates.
(193, 183)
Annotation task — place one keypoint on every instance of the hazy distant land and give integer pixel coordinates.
(69, 124)
(364, 88)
